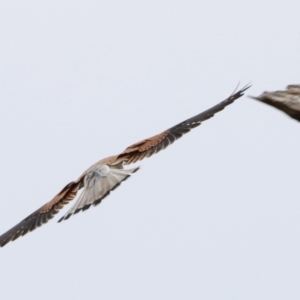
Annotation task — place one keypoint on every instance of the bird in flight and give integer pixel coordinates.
(107, 174)
(287, 101)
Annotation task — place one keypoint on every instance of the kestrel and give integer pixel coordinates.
(287, 101)
(107, 174)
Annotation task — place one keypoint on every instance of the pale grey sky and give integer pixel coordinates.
(215, 216)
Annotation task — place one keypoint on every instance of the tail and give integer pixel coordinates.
(97, 187)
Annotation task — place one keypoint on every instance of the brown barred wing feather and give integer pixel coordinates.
(42, 215)
(150, 146)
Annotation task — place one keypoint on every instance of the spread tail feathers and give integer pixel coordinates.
(98, 184)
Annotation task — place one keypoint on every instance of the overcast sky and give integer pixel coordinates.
(215, 216)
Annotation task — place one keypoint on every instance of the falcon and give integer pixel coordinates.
(287, 101)
(107, 174)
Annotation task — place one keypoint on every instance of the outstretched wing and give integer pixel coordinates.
(154, 144)
(97, 187)
(42, 215)
(287, 101)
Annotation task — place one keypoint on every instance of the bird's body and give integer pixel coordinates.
(107, 174)
(287, 101)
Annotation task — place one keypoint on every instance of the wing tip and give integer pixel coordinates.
(3, 243)
(240, 92)
(258, 98)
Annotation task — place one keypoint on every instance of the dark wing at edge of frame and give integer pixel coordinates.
(42, 215)
(287, 101)
(148, 147)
